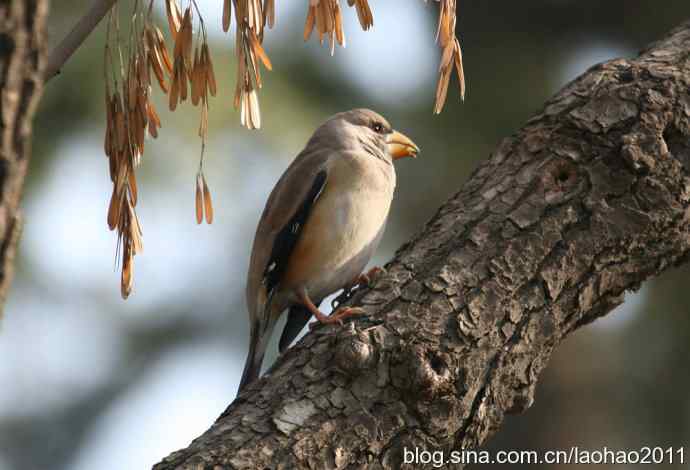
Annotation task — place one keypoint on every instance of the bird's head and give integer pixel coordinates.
(363, 130)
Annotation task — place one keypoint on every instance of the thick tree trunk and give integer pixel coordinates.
(585, 202)
(22, 57)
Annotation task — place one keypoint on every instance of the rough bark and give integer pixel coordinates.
(584, 203)
(22, 58)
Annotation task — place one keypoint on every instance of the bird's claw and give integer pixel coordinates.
(338, 316)
(365, 279)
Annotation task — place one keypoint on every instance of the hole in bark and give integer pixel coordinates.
(558, 175)
(437, 363)
(562, 176)
(4, 164)
(678, 145)
(6, 44)
(626, 76)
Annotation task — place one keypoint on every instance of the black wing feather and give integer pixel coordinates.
(287, 237)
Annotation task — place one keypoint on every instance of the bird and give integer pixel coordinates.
(320, 227)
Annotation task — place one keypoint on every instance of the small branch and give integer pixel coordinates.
(76, 37)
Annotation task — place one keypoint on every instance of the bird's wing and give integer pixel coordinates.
(281, 223)
(285, 240)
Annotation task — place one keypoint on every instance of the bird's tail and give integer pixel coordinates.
(255, 356)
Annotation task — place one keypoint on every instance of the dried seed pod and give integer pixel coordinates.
(127, 279)
(153, 130)
(132, 183)
(269, 13)
(174, 17)
(153, 115)
(153, 120)
(140, 134)
(163, 50)
(366, 19)
(258, 50)
(254, 16)
(338, 21)
(459, 68)
(112, 166)
(250, 59)
(309, 24)
(109, 127)
(250, 115)
(114, 209)
(175, 86)
(157, 66)
(151, 40)
(254, 113)
(142, 100)
(208, 205)
(208, 66)
(447, 56)
(142, 71)
(227, 14)
(441, 90)
(199, 198)
(183, 82)
(197, 78)
(119, 122)
(132, 87)
(187, 39)
(134, 232)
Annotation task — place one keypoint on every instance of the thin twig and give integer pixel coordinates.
(61, 54)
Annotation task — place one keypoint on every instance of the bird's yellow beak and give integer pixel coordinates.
(399, 146)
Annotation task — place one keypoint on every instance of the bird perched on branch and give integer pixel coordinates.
(321, 225)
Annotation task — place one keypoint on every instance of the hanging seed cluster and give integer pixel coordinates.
(192, 76)
(451, 56)
(188, 74)
(325, 16)
(131, 114)
(251, 17)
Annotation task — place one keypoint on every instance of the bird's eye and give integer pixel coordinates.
(378, 127)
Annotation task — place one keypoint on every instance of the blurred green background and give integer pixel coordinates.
(89, 381)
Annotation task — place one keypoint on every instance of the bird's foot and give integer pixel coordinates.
(347, 293)
(337, 317)
(361, 281)
(365, 279)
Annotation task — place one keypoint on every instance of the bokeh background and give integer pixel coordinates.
(89, 381)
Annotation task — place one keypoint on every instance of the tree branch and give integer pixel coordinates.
(588, 200)
(22, 58)
(68, 46)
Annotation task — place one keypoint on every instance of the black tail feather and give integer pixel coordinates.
(298, 317)
(255, 356)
